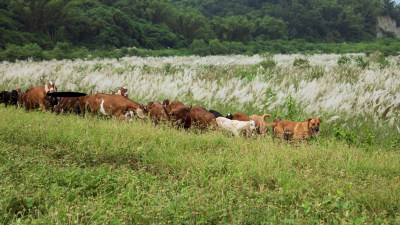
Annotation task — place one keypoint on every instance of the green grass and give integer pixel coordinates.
(69, 169)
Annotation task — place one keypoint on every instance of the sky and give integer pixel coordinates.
(397, 1)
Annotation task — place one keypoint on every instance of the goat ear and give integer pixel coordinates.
(320, 121)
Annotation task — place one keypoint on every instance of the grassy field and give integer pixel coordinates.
(68, 169)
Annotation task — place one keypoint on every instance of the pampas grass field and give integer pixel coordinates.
(68, 169)
(358, 98)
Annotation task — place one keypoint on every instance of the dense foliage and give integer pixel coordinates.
(161, 24)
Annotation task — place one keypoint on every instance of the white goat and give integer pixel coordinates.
(236, 127)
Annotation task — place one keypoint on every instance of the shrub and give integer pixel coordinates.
(57, 53)
(383, 63)
(349, 137)
(234, 47)
(361, 62)
(33, 51)
(301, 63)
(246, 74)
(61, 50)
(268, 63)
(343, 60)
(317, 72)
(217, 48)
(291, 110)
(200, 47)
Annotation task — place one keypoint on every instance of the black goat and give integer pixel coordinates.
(5, 97)
(217, 114)
(14, 97)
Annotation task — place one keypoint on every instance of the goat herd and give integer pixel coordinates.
(119, 105)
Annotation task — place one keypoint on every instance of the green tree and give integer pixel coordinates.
(270, 28)
(233, 28)
(200, 47)
(191, 24)
(217, 48)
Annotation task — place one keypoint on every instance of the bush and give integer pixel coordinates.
(61, 50)
(217, 48)
(58, 53)
(348, 136)
(200, 47)
(301, 63)
(383, 63)
(361, 62)
(343, 60)
(14, 52)
(248, 74)
(268, 63)
(317, 72)
(235, 47)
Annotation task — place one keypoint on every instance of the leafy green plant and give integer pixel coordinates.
(349, 137)
(216, 47)
(200, 47)
(383, 63)
(120, 70)
(268, 63)
(248, 74)
(301, 63)
(361, 62)
(290, 110)
(168, 68)
(369, 138)
(396, 143)
(317, 72)
(97, 66)
(343, 60)
(270, 92)
(15, 52)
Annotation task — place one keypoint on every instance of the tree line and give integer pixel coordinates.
(190, 24)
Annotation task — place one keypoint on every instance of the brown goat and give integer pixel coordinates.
(241, 117)
(37, 96)
(181, 117)
(115, 105)
(157, 111)
(202, 118)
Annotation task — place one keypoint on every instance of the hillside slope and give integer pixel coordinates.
(162, 24)
(69, 169)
